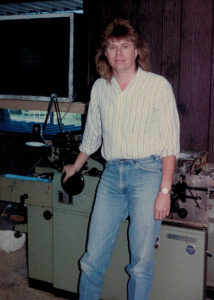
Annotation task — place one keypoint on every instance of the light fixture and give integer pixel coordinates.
(37, 139)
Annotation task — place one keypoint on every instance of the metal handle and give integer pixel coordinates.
(210, 254)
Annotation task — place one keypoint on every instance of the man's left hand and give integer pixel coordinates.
(162, 206)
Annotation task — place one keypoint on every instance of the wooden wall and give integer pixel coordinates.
(180, 38)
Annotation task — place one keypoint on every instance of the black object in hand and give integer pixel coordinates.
(74, 184)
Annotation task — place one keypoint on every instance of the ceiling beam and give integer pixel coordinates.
(19, 7)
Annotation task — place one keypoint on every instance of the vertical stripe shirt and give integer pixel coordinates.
(135, 123)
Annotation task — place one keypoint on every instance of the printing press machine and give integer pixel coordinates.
(57, 224)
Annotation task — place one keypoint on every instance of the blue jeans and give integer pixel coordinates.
(127, 188)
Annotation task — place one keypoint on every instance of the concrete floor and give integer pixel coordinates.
(14, 284)
(14, 278)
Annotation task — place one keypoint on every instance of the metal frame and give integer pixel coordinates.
(70, 80)
(39, 7)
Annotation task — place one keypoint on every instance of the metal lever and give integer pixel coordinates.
(11, 191)
(210, 254)
(23, 197)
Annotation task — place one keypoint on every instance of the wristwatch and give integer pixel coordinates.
(165, 191)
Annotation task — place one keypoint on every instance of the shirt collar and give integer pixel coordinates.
(138, 77)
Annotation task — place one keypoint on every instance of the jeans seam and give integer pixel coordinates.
(113, 241)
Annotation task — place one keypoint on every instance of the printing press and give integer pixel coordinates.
(58, 216)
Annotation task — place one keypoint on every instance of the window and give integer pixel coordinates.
(37, 60)
(36, 57)
(16, 120)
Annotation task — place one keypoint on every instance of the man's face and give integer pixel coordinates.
(121, 55)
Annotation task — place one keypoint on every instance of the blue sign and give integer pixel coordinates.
(190, 250)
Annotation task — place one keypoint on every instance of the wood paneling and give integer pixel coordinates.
(171, 43)
(195, 68)
(211, 123)
(101, 13)
(150, 22)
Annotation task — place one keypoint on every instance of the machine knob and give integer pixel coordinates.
(94, 172)
(182, 213)
(74, 185)
(17, 234)
(47, 215)
(156, 245)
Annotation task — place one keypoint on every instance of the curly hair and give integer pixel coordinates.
(117, 30)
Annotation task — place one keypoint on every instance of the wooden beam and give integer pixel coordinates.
(78, 108)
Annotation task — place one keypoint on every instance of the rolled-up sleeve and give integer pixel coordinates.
(169, 122)
(92, 137)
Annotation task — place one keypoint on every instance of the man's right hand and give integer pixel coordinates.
(69, 170)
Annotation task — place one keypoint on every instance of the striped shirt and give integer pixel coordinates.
(135, 123)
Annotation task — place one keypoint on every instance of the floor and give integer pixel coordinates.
(14, 284)
(14, 279)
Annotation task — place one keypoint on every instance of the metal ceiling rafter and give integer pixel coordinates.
(9, 9)
(19, 7)
(58, 5)
(4, 10)
(40, 6)
(75, 2)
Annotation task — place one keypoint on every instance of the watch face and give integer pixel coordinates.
(165, 191)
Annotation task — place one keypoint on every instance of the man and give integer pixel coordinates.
(133, 115)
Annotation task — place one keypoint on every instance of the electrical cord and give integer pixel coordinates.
(9, 205)
(34, 166)
(69, 105)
